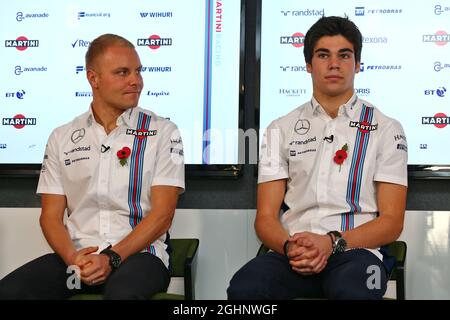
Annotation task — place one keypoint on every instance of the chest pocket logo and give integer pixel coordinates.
(302, 126)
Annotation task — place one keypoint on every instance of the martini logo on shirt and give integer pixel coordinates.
(141, 133)
(363, 126)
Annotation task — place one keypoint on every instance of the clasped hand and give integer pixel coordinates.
(308, 252)
(94, 268)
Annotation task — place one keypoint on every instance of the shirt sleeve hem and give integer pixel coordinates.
(50, 190)
(168, 182)
(262, 179)
(392, 179)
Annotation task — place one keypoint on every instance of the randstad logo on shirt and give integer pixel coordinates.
(141, 132)
(82, 148)
(299, 142)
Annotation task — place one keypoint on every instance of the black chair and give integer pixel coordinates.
(396, 249)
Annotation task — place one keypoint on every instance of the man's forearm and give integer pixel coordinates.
(59, 239)
(145, 233)
(271, 233)
(374, 234)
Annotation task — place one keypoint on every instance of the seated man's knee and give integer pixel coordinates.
(13, 292)
(247, 285)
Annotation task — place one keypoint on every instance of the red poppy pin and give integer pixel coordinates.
(123, 155)
(340, 156)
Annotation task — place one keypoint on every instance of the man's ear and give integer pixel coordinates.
(309, 67)
(92, 77)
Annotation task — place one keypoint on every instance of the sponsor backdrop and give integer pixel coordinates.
(405, 64)
(189, 52)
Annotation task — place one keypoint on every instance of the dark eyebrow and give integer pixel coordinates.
(328, 51)
(322, 50)
(345, 50)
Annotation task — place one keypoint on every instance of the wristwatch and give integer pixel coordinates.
(114, 257)
(339, 244)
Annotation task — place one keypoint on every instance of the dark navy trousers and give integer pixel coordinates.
(354, 274)
(138, 277)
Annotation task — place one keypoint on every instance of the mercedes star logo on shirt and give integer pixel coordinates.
(77, 135)
(302, 126)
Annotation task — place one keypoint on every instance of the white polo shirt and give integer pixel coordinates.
(106, 200)
(322, 195)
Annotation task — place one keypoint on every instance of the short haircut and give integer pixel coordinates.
(332, 26)
(99, 45)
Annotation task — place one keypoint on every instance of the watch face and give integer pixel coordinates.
(114, 258)
(115, 261)
(341, 244)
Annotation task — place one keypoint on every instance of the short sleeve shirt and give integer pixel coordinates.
(323, 195)
(106, 199)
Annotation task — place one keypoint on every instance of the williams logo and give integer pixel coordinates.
(154, 42)
(296, 39)
(21, 43)
(141, 133)
(363, 126)
(19, 121)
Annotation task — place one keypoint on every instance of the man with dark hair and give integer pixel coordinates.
(118, 170)
(339, 166)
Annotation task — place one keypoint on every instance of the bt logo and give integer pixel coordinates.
(440, 92)
(19, 94)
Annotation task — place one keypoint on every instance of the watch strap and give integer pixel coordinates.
(285, 247)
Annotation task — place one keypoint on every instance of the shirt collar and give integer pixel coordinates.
(347, 108)
(126, 118)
